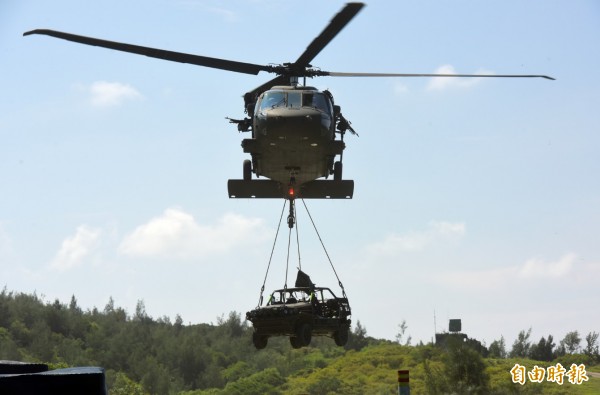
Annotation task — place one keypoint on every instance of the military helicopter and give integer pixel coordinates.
(294, 128)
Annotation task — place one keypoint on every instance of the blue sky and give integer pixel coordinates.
(477, 199)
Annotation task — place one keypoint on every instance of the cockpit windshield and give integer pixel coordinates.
(273, 99)
(294, 99)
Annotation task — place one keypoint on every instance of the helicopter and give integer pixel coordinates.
(297, 131)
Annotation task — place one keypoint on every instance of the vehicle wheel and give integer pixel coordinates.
(247, 170)
(260, 341)
(304, 334)
(341, 337)
(294, 341)
(337, 171)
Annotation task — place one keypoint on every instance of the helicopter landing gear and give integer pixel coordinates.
(247, 170)
(337, 171)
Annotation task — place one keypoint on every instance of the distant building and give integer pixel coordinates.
(454, 328)
(454, 335)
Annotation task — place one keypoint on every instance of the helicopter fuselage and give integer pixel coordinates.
(293, 144)
(293, 135)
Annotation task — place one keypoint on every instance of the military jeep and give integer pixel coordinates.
(300, 313)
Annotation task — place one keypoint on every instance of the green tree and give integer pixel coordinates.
(192, 360)
(156, 377)
(5, 301)
(465, 369)
(265, 382)
(233, 325)
(543, 350)
(21, 333)
(73, 307)
(140, 312)
(497, 348)
(56, 318)
(571, 342)
(520, 348)
(8, 348)
(110, 306)
(123, 385)
(400, 335)
(324, 385)
(435, 379)
(591, 348)
(357, 339)
(178, 326)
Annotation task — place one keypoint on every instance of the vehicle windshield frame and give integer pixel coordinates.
(300, 295)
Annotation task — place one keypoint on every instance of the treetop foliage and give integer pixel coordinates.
(143, 355)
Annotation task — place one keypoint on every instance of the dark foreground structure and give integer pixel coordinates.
(21, 378)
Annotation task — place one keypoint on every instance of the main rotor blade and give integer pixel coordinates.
(338, 22)
(216, 63)
(337, 74)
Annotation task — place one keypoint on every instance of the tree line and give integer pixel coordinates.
(144, 355)
(157, 356)
(546, 349)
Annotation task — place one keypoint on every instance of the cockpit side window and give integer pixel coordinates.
(307, 99)
(315, 100)
(294, 99)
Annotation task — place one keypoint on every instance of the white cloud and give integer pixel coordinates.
(76, 248)
(442, 83)
(176, 234)
(448, 229)
(418, 240)
(530, 270)
(108, 94)
(537, 268)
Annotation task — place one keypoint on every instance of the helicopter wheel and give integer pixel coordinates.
(247, 170)
(337, 171)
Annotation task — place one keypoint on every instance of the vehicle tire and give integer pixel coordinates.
(247, 170)
(260, 341)
(294, 341)
(304, 334)
(341, 336)
(337, 171)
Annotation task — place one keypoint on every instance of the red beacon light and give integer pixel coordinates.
(291, 192)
